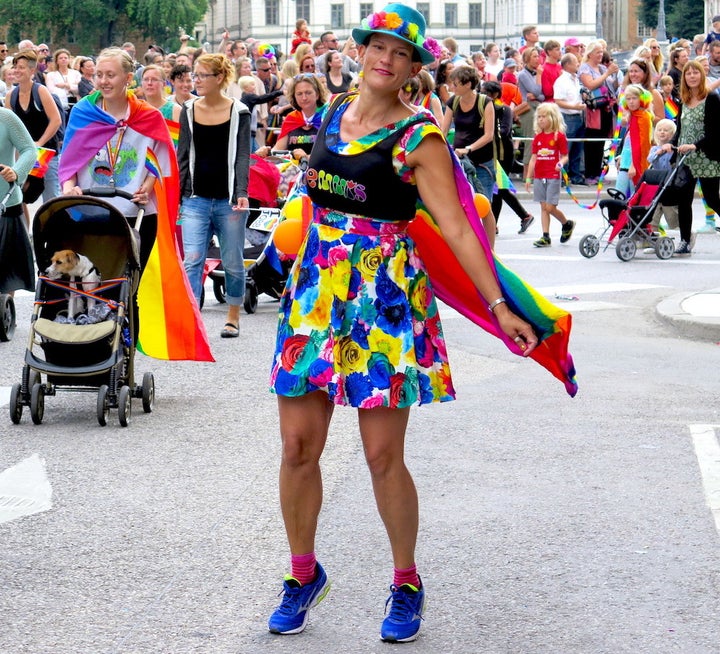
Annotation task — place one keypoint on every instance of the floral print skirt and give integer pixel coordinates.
(359, 320)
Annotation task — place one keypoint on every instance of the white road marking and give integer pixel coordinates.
(24, 489)
(707, 450)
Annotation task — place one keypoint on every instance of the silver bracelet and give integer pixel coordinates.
(492, 305)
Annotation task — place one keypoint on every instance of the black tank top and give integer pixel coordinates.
(210, 179)
(302, 138)
(366, 183)
(36, 122)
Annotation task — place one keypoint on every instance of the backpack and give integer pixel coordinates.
(60, 134)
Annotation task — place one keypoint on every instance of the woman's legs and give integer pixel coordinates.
(230, 227)
(304, 423)
(383, 435)
(685, 198)
(196, 233)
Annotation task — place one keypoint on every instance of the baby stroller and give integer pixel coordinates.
(7, 304)
(93, 351)
(630, 219)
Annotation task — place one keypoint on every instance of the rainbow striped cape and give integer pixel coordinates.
(171, 327)
(453, 286)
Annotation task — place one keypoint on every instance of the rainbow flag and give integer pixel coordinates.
(44, 157)
(170, 326)
(174, 129)
(453, 286)
(671, 109)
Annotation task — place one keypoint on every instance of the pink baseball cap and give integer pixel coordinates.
(573, 41)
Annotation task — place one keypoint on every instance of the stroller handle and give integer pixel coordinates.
(107, 192)
(3, 202)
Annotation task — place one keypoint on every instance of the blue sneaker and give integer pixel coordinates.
(402, 623)
(292, 614)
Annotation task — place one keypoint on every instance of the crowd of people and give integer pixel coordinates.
(378, 115)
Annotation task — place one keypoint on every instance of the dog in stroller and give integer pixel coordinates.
(92, 352)
(630, 218)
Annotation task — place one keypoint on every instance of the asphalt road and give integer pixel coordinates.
(548, 524)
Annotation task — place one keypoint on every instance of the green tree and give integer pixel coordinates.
(90, 25)
(683, 19)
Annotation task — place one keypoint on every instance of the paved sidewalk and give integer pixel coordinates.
(697, 314)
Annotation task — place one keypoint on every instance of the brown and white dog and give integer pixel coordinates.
(82, 273)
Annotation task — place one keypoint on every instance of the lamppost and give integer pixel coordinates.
(661, 32)
(598, 19)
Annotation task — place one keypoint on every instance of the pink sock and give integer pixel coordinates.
(406, 576)
(302, 567)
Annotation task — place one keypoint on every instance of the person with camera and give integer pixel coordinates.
(595, 77)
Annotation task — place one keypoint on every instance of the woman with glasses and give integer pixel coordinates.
(214, 159)
(152, 83)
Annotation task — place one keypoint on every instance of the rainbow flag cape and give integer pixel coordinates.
(171, 327)
(453, 286)
(44, 157)
(671, 109)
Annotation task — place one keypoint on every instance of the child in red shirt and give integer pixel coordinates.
(549, 155)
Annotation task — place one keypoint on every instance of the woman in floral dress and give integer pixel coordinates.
(358, 323)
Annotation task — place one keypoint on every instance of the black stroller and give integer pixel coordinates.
(92, 352)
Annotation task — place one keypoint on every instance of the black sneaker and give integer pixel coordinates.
(543, 242)
(567, 230)
(525, 223)
(682, 249)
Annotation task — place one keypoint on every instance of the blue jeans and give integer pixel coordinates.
(575, 124)
(485, 173)
(201, 218)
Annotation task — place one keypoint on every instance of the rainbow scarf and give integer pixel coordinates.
(171, 327)
(174, 129)
(453, 286)
(640, 129)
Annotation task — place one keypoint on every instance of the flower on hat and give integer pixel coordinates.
(433, 47)
(393, 21)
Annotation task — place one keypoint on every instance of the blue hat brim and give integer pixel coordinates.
(360, 36)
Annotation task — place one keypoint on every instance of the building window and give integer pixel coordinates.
(272, 12)
(475, 14)
(574, 11)
(544, 11)
(424, 9)
(302, 9)
(337, 16)
(366, 8)
(451, 19)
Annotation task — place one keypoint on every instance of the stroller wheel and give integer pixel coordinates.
(124, 406)
(16, 405)
(664, 247)
(219, 289)
(37, 403)
(148, 392)
(250, 301)
(589, 246)
(7, 318)
(103, 406)
(625, 249)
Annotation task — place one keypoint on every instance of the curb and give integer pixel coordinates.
(671, 312)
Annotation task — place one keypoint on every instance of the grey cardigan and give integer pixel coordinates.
(237, 150)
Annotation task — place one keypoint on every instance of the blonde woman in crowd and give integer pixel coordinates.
(64, 80)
